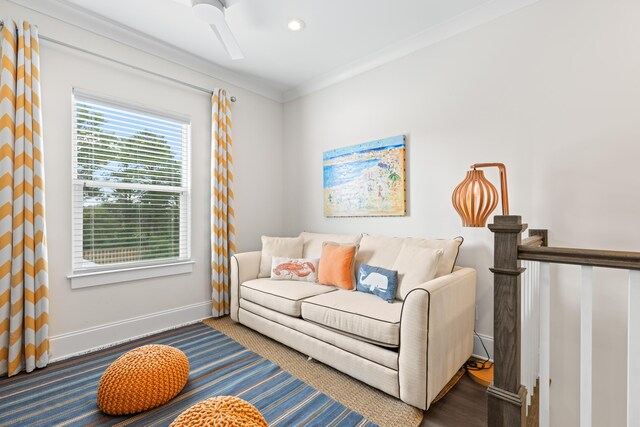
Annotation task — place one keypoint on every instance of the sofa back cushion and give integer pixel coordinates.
(382, 251)
(312, 247)
(415, 265)
(287, 247)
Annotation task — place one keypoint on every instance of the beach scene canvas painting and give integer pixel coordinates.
(366, 179)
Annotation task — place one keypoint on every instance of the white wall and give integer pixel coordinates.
(85, 318)
(553, 91)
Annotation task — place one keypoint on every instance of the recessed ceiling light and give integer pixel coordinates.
(296, 24)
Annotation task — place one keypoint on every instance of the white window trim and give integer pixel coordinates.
(119, 273)
(130, 105)
(90, 278)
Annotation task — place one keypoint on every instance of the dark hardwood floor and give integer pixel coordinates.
(464, 406)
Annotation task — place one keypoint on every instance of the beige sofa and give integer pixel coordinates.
(409, 349)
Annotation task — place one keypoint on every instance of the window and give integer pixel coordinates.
(130, 187)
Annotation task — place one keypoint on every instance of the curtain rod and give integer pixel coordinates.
(134, 67)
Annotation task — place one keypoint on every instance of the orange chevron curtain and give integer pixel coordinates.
(223, 232)
(24, 304)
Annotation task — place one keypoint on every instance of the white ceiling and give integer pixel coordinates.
(339, 34)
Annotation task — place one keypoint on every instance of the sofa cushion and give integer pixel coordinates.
(383, 251)
(354, 345)
(283, 296)
(356, 314)
(415, 265)
(313, 242)
(287, 247)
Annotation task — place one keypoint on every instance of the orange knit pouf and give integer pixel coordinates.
(142, 379)
(221, 411)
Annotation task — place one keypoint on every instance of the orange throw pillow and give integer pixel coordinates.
(336, 265)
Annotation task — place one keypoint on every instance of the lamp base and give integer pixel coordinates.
(484, 377)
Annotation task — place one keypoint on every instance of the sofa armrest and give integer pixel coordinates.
(436, 335)
(244, 266)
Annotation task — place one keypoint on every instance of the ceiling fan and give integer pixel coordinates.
(213, 13)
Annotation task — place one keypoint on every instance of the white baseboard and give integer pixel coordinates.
(98, 337)
(478, 350)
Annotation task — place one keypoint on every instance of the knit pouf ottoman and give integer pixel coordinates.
(142, 379)
(221, 411)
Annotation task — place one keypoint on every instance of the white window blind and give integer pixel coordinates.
(130, 185)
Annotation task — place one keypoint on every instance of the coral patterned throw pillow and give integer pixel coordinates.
(302, 269)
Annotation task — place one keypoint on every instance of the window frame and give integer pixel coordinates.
(135, 270)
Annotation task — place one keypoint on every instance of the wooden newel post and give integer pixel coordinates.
(506, 398)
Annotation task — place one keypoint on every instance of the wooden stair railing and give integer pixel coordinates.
(506, 395)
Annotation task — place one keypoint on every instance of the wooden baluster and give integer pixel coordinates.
(586, 345)
(545, 342)
(633, 350)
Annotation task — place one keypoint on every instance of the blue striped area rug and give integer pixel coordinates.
(64, 393)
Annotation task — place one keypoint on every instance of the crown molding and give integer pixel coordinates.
(466, 21)
(74, 15)
(79, 17)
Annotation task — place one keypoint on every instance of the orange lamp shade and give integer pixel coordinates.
(474, 199)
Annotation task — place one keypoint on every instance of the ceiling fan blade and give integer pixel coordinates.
(226, 37)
